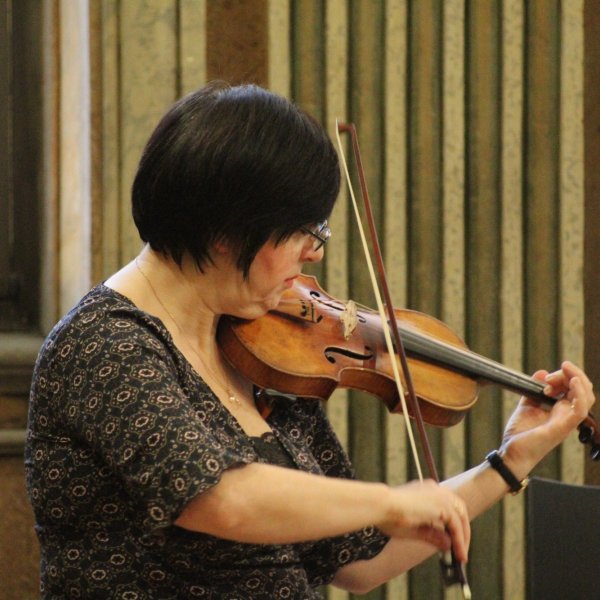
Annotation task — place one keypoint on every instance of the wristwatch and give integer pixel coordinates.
(497, 463)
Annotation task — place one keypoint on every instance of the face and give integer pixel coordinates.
(272, 272)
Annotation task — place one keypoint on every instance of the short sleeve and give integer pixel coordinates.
(118, 389)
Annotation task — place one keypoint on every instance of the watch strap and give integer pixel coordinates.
(509, 477)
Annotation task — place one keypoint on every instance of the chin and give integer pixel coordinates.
(262, 308)
(256, 307)
(250, 314)
(255, 311)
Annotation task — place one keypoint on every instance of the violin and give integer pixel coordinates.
(312, 343)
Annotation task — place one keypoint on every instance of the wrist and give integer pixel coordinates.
(389, 514)
(518, 458)
(512, 477)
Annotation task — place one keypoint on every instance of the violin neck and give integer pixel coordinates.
(472, 365)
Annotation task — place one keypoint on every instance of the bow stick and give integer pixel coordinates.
(453, 571)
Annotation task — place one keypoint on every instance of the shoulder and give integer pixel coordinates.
(101, 317)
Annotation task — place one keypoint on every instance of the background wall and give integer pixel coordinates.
(471, 123)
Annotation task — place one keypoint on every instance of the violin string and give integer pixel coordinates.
(469, 359)
(230, 395)
(473, 364)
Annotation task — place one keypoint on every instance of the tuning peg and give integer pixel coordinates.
(585, 434)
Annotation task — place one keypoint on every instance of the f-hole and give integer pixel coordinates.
(331, 353)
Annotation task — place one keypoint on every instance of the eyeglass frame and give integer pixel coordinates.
(322, 234)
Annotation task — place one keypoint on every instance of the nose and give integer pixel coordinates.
(311, 255)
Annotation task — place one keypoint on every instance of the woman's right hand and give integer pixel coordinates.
(431, 513)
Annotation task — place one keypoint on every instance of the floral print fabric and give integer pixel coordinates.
(123, 433)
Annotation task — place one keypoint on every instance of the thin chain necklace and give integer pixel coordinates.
(230, 395)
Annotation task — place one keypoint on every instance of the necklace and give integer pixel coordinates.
(230, 395)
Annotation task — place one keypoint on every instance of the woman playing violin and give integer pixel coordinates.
(150, 468)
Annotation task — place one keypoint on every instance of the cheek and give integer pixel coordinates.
(275, 261)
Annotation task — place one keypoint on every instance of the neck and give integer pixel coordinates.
(179, 294)
(191, 324)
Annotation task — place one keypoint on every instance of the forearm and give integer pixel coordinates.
(480, 488)
(260, 503)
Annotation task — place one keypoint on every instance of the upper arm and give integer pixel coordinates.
(118, 390)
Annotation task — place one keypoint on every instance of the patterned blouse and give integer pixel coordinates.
(123, 433)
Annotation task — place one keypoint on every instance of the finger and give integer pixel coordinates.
(463, 529)
(435, 536)
(578, 377)
(466, 525)
(580, 398)
(560, 380)
(570, 369)
(457, 525)
(576, 385)
(557, 383)
(540, 376)
(573, 408)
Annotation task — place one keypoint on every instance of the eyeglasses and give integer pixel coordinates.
(321, 233)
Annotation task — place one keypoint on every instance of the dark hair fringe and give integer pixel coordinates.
(240, 164)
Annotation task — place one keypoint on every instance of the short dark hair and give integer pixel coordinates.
(240, 164)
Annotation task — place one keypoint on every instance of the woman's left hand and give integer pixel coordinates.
(534, 430)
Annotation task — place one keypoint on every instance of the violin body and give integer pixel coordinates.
(313, 343)
(305, 347)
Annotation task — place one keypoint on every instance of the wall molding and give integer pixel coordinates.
(12, 442)
(18, 352)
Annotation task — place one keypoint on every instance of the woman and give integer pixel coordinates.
(151, 471)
